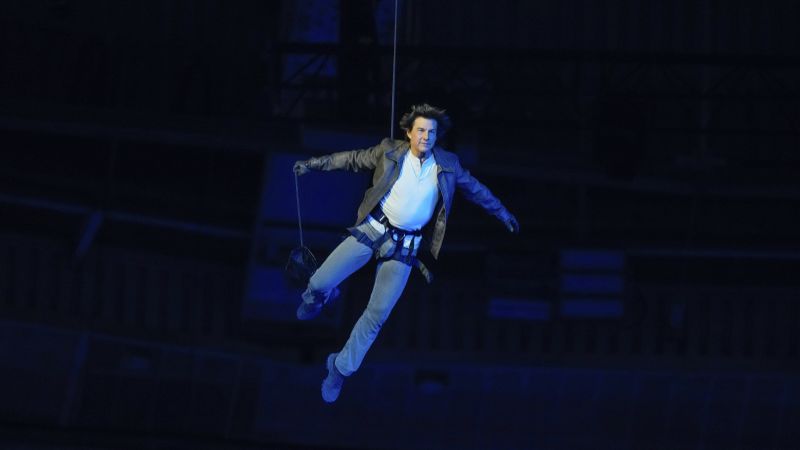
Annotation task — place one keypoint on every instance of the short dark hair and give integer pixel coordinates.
(429, 112)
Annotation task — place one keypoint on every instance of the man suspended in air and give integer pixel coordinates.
(406, 208)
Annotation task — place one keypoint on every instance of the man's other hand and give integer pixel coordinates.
(512, 224)
(301, 168)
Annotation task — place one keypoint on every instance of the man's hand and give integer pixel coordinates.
(301, 168)
(511, 223)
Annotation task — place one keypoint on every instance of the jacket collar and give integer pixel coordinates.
(444, 159)
(400, 148)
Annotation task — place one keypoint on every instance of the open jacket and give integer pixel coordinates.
(385, 159)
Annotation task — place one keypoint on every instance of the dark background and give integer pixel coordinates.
(648, 149)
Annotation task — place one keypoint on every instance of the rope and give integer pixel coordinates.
(394, 70)
(299, 220)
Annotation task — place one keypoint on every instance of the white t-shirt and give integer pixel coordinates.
(410, 202)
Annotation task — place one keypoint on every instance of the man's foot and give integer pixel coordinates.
(308, 311)
(332, 384)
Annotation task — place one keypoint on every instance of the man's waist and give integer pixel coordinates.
(378, 220)
(378, 215)
(396, 234)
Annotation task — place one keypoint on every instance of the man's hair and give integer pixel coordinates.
(428, 112)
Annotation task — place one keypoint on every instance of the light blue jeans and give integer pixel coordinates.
(390, 280)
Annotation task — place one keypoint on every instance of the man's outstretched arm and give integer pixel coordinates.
(479, 194)
(353, 160)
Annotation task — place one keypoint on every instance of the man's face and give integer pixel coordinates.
(422, 135)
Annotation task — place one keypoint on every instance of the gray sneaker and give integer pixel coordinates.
(332, 384)
(308, 311)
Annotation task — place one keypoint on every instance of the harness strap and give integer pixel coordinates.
(410, 259)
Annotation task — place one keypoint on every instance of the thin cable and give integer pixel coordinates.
(299, 220)
(394, 70)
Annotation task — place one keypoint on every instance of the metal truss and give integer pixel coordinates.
(674, 94)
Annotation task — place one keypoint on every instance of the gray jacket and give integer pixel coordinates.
(385, 158)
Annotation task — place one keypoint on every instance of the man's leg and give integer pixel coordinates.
(390, 280)
(346, 258)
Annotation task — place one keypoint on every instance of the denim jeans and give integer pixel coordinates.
(390, 280)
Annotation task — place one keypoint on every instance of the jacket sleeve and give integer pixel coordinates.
(353, 160)
(479, 194)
